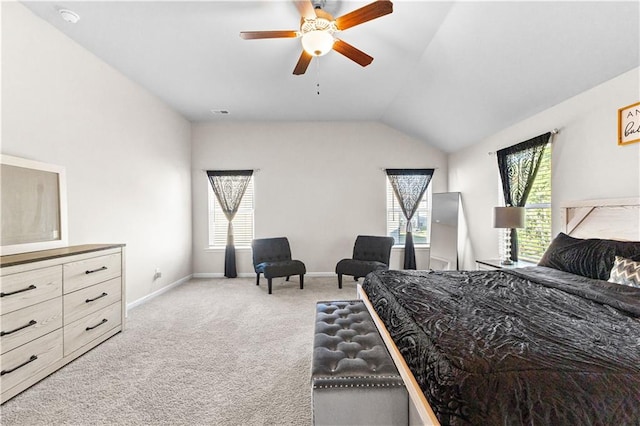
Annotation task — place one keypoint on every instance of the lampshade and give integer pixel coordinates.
(317, 43)
(508, 217)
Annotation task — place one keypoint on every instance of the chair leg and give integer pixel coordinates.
(339, 280)
(287, 278)
(269, 285)
(258, 278)
(355, 278)
(301, 281)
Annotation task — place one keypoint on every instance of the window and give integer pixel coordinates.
(242, 222)
(421, 222)
(536, 237)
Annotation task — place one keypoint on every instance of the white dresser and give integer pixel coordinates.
(55, 305)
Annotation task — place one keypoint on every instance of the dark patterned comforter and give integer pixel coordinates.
(531, 346)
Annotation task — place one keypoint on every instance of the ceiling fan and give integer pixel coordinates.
(317, 29)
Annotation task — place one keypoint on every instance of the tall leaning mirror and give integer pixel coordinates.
(444, 231)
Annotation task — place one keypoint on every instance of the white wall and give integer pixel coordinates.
(319, 183)
(587, 163)
(127, 155)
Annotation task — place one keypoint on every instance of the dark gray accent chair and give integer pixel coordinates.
(369, 254)
(272, 257)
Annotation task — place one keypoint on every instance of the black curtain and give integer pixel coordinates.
(518, 165)
(229, 187)
(409, 186)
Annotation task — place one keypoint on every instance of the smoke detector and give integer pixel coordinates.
(69, 15)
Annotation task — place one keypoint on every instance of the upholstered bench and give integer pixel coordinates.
(354, 380)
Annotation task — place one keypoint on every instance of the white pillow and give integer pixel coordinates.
(625, 271)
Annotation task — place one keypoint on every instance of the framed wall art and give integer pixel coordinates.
(629, 124)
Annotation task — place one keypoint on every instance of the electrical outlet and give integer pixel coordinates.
(157, 274)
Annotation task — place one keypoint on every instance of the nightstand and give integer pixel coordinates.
(492, 264)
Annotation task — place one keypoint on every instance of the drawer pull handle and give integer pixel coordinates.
(33, 358)
(95, 270)
(32, 322)
(98, 324)
(31, 287)
(96, 298)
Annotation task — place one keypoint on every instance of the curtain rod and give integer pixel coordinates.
(553, 132)
(384, 169)
(254, 170)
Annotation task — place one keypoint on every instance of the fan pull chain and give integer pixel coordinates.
(318, 76)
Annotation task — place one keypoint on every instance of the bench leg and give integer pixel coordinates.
(287, 277)
(269, 285)
(339, 280)
(301, 281)
(258, 278)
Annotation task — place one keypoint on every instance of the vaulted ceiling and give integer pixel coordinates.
(448, 73)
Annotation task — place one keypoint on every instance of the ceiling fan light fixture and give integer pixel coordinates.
(317, 42)
(317, 28)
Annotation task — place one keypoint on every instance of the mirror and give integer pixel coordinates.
(34, 205)
(444, 231)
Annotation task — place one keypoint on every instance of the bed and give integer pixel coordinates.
(553, 344)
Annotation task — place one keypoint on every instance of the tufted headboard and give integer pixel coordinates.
(616, 219)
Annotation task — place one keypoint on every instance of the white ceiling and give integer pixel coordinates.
(448, 73)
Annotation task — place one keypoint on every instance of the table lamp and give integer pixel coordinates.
(508, 218)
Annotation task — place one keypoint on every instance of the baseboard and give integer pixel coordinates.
(321, 274)
(252, 274)
(221, 275)
(158, 292)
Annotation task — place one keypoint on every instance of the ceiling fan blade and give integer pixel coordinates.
(366, 13)
(253, 35)
(356, 55)
(305, 7)
(303, 63)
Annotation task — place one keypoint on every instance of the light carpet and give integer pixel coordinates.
(209, 352)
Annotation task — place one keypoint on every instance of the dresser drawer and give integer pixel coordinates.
(91, 299)
(83, 273)
(26, 360)
(28, 288)
(91, 327)
(24, 325)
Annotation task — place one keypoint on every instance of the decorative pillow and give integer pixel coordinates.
(625, 271)
(591, 258)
